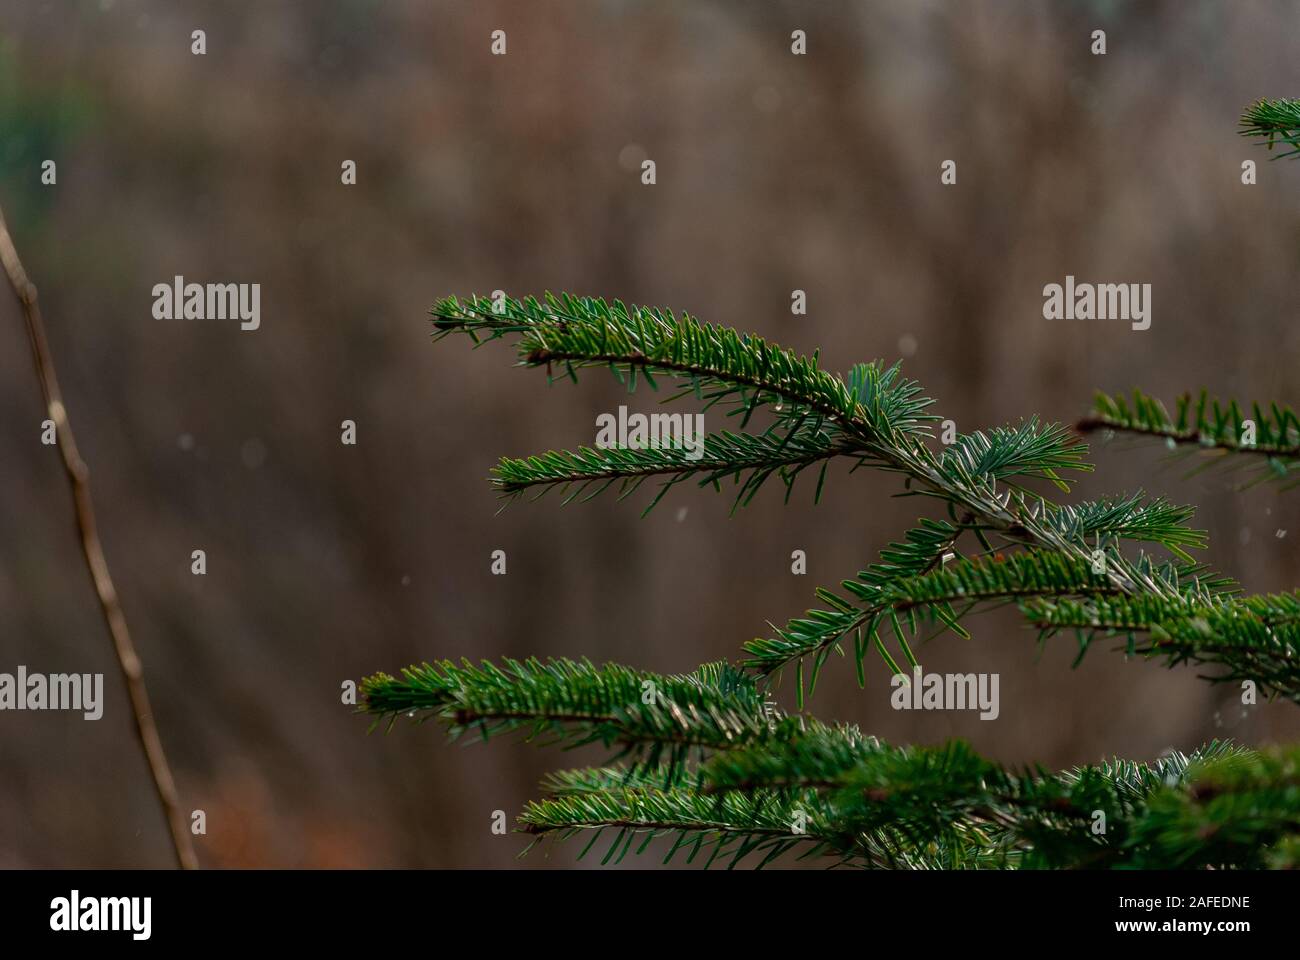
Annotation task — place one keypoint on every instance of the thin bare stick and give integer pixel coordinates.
(79, 480)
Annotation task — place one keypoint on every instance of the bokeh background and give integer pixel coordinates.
(475, 172)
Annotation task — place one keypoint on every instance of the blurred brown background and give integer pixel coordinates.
(521, 172)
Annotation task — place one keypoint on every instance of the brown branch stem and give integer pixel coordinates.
(79, 480)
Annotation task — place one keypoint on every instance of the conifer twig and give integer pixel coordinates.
(79, 480)
(1267, 121)
(874, 416)
(759, 784)
(1208, 425)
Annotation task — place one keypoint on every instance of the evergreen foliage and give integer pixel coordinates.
(1211, 428)
(1272, 120)
(707, 761)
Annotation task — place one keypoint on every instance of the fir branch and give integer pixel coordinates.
(985, 814)
(1001, 578)
(1009, 453)
(1019, 520)
(720, 365)
(656, 719)
(765, 787)
(750, 459)
(1270, 120)
(871, 804)
(1111, 520)
(1240, 811)
(712, 764)
(815, 635)
(1239, 635)
(818, 757)
(1207, 425)
(874, 415)
(903, 600)
(1133, 781)
(732, 827)
(567, 783)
